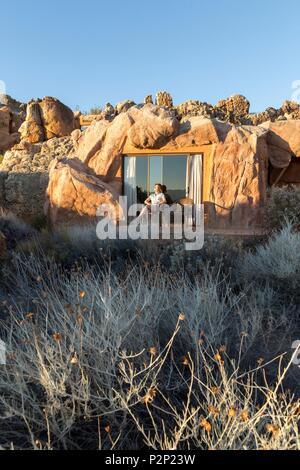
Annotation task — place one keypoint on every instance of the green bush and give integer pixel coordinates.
(283, 205)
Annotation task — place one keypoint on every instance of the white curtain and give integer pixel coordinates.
(194, 178)
(130, 180)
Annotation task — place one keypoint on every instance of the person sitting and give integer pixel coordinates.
(167, 196)
(155, 199)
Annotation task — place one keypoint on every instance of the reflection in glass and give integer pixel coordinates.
(155, 167)
(174, 176)
(170, 170)
(141, 178)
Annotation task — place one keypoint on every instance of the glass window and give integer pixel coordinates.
(174, 175)
(141, 179)
(169, 170)
(155, 171)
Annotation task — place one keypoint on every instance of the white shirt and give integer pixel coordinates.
(157, 198)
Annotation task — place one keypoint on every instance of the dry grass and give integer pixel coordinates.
(110, 360)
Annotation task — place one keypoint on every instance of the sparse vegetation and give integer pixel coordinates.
(95, 110)
(120, 345)
(283, 205)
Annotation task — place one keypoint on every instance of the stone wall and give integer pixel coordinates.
(24, 175)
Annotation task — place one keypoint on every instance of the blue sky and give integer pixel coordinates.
(89, 52)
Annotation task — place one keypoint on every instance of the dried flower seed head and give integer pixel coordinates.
(107, 428)
(57, 336)
(153, 351)
(214, 411)
(205, 424)
(231, 412)
(260, 361)
(74, 359)
(181, 317)
(185, 361)
(222, 348)
(82, 294)
(29, 315)
(149, 396)
(38, 279)
(272, 429)
(244, 415)
(218, 357)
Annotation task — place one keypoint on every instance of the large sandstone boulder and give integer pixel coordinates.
(75, 193)
(283, 141)
(58, 120)
(239, 179)
(32, 129)
(46, 119)
(152, 128)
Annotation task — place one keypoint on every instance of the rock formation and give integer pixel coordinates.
(195, 108)
(24, 175)
(239, 156)
(12, 114)
(47, 118)
(163, 98)
(233, 109)
(123, 106)
(84, 169)
(148, 99)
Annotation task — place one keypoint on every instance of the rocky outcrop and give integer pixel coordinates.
(152, 127)
(86, 166)
(163, 98)
(97, 158)
(123, 106)
(148, 99)
(24, 175)
(46, 119)
(238, 174)
(233, 109)
(194, 108)
(32, 129)
(12, 114)
(283, 141)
